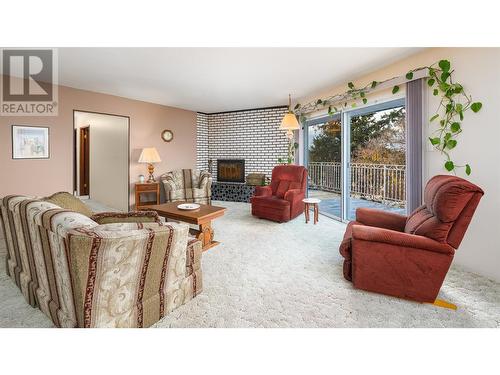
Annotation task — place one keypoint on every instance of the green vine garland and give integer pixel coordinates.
(450, 112)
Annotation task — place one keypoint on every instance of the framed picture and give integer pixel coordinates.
(30, 142)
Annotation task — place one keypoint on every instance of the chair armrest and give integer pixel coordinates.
(263, 191)
(194, 252)
(206, 186)
(401, 239)
(126, 217)
(381, 219)
(205, 180)
(168, 184)
(294, 195)
(206, 183)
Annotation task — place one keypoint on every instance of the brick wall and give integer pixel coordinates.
(252, 135)
(202, 141)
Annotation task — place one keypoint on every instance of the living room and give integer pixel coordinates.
(252, 187)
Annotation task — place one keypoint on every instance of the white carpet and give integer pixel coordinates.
(265, 274)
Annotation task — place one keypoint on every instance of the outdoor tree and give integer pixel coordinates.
(375, 139)
(326, 146)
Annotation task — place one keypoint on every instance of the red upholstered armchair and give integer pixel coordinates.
(409, 257)
(282, 200)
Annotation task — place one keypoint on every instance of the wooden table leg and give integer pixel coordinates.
(315, 213)
(206, 236)
(306, 212)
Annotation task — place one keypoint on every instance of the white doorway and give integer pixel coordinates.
(101, 162)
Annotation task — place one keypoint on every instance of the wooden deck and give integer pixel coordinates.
(330, 204)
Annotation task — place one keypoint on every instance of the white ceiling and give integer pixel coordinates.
(218, 79)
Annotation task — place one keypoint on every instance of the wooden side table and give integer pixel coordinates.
(314, 203)
(149, 188)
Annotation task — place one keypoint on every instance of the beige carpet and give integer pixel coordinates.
(290, 275)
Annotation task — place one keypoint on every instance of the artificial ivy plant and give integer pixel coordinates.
(449, 114)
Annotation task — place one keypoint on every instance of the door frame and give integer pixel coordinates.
(346, 145)
(316, 121)
(128, 146)
(84, 146)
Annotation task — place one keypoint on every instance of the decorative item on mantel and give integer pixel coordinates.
(290, 123)
(149, 155)
(256, 179)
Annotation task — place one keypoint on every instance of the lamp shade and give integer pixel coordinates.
(289, 122)
(149, 155)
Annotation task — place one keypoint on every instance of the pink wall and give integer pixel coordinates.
(147, 120)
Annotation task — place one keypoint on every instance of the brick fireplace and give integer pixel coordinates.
(251, 135)
(230, 170)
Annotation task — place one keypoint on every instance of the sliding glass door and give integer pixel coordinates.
(324, 158)
(358, 159)
(376, 158)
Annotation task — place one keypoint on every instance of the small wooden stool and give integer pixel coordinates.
(314, 203)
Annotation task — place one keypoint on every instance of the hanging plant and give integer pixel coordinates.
(449, 114)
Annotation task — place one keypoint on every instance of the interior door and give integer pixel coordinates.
(84, 161)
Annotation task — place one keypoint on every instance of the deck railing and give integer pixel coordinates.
(376, 182)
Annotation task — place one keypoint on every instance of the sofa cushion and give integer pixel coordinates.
(271, 202)
(423, 223)
(289, 173)
(283, 187)
(447, 196)
(69, 202)
(445, 200)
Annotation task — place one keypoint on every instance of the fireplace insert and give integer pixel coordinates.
(231, 170)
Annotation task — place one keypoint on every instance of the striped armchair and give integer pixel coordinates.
(187, 185)
(82, 272)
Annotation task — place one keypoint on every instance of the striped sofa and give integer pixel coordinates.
(187, 185)
(110, 270)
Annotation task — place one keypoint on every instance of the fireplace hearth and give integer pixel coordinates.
(231, 170)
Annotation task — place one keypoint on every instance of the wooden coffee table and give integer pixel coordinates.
(202, 217)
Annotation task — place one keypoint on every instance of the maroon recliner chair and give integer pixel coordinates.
(408, 257)
(282, 200)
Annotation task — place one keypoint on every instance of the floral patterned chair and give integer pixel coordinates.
(187, 185)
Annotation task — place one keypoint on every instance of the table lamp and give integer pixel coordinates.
(149, 155)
